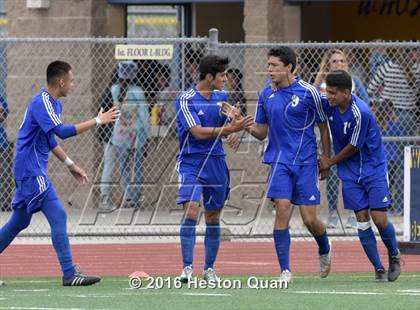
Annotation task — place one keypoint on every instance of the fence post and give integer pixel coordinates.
(213, 40)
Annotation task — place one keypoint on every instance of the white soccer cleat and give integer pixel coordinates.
(325, 263)
(186, 274)
(286, 276)
(210, 275)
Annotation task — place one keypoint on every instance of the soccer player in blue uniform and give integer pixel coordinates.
(34, 191)
(362, 169)
(287, 111)
(201, 164)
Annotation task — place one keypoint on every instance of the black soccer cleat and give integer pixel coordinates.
(394, 267)
(380, 275)
(79, 279)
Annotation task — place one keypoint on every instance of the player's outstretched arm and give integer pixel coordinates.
(75, 170)
(103, 118)
(203, 133)
(259, 131)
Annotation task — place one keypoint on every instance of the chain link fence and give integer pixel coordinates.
(132, 191)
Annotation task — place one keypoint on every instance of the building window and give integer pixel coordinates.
(154, 21)
(3, 19)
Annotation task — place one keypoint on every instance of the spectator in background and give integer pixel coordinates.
(147, 80)
(398, 80)
(163, 81)
(335, 59)
(357, 65)
(6, 160)
(235, 89)
(129, 136)
(166, 97)
(377, 58)
(391, 127)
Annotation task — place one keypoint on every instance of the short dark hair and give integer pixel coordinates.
(212, 64)
(340, 79)
(57, 69)
(286, 55)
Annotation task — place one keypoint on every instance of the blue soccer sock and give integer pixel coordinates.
(368, 241)
(212, 244)
(282, 245)
(187, 235)
(323, 243)
(57, 218)
(389, 239)
(19, 220)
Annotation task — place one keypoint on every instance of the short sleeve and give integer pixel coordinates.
(44, 113)
(260, 115)
(359, 127)
(318, 105)
(52, 141)
(186, 113)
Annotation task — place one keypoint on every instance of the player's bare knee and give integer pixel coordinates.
(380, 223)
(191, 210)
(282, 219)
(380, 218)
(212, 217)
(362, 216)
(310, 222)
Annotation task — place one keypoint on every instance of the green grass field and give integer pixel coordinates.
(338, 291)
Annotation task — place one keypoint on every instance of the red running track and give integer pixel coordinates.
(165, 259)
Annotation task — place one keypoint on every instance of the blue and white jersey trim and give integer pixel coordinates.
(184, 107)
(48, 106)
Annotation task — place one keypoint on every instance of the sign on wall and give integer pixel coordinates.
(134, 51)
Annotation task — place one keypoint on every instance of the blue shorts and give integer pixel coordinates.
(372, 193)
(31, 192)
(207, 175)
(299, 184)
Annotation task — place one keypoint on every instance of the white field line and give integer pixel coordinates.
(348, 293)
(34, 290)
(245, 263)
(206, 294)
(43, 308)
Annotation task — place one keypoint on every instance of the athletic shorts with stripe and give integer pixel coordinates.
(203, 175)
(297, 183)
(32, 192)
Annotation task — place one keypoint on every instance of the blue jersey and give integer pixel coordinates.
(291, 113)
(35, 137)
(192, 109)
(356, 126)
